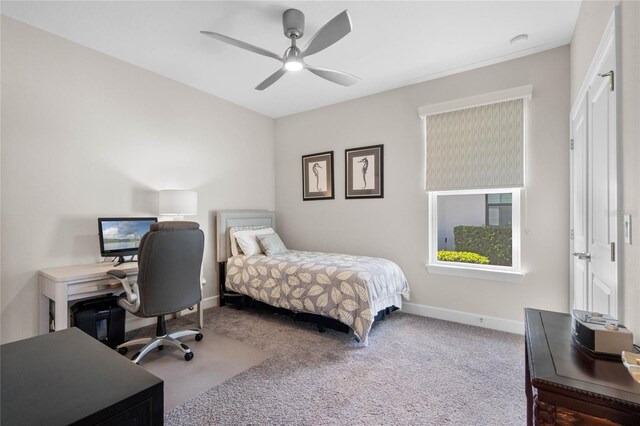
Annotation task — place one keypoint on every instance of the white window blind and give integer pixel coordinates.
(479, 147)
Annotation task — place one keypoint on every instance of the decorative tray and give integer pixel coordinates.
(632, 362)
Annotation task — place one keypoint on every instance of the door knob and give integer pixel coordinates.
(583, 256)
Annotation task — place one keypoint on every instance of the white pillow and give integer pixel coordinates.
(235, 249)
(249, 243)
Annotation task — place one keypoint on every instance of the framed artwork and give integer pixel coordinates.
(364, 172)
(317, 176)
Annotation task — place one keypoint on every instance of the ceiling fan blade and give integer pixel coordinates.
(332, 31)
(242, 45)
(271, 79)
(338, 77)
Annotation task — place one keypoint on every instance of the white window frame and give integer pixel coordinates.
(512, 274)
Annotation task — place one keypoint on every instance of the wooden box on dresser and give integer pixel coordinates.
(566, 386)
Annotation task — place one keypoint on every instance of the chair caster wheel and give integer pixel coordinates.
(122, 351)
(188, 356)
(199, 337)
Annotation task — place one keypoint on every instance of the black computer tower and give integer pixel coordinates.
(101, 318)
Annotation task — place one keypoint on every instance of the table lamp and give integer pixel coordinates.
(178, 203)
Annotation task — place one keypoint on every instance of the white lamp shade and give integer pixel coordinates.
(177, 202)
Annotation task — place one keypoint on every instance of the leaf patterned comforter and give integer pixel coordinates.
(350, 289)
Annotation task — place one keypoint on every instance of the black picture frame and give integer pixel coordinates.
(364, 172)
(317, 176)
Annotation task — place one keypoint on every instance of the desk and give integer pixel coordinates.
(67, 377)
(69, 283)
(566, 386)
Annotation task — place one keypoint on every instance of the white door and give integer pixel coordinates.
(594, 193)
(602, 201)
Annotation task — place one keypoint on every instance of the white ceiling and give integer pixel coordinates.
(393, 43)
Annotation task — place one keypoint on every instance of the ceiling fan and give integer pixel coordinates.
(293, 58)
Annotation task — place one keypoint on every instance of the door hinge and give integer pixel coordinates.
(611, 78)
(571, 234)
(571, 144)
(613, 252)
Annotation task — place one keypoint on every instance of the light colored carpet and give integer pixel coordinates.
(216, 358)
(415, 371)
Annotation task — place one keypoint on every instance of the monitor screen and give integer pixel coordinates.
(120, 236)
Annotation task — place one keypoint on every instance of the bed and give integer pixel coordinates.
(352, 290)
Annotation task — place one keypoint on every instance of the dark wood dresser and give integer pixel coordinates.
(67, 377)
(566, 386)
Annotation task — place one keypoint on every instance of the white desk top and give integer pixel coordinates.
(80, 272)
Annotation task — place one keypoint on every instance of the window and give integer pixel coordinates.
(474, 176)
(498, 209)
(465, 244)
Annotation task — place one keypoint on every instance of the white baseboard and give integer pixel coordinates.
(133, 322)
(210, 302)
(461, 317)
(494, 323)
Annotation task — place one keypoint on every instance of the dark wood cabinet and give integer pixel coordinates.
(566, 386)
(67, 377)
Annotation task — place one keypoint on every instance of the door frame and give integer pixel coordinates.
(580, 108)
(611, 35)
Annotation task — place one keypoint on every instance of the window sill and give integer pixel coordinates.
(515, 277)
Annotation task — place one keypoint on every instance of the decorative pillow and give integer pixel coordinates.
(248, 242)
(235, 249)
(271, 244)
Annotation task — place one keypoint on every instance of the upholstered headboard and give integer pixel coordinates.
(226, 219)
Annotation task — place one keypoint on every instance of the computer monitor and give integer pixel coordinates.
(120, 236)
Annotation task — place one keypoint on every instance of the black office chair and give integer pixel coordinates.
(169, 262)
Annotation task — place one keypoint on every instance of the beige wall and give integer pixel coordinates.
(86, 135)
(396, 227)
(592, 21)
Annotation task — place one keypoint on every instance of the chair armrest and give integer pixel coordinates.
(117, 273)
(133, 299)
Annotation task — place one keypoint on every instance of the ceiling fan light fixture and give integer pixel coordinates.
(292, 59)
(293, 65)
